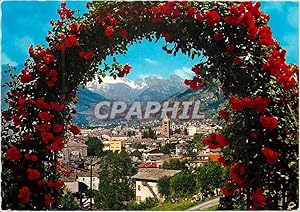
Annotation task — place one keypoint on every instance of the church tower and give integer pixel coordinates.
(165, 129)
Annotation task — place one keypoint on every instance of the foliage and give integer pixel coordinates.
(168, 148)
(137, 153)
(209, 176)
(144, 205)
(149, 134)
(183, 184)
(197, 141)
(115, 172)
(174, 206)
(175, 164)
(94, 146)
(259, 135)
(164, 186)
(138, 146)
(69, 202)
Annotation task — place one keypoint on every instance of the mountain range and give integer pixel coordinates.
(151, 88)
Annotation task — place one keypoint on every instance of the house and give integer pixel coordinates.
(85, 177)
(155, 155)
(146, 181)
(191, 130)
(113, 145)
(74, 150)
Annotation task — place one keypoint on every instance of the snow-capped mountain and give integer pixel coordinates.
(152, 88)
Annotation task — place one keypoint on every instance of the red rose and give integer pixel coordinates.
(217, 36)
(49, 58)
(222, 161)
(43, 127)
(237, 173)
(68, 172)
(57, 128)
(228, 189)
(191, 10)
(258, 198)
(215, 141)
(127, 68)
(48, 199)
(71, 41)
(123, 33)
(236, 104)
(24, 194)
(271, 156)
(196, 69)
(268, 122)
(230, 48)
(33, 174)
(45, 116)
(75, 129)
(74, 28)
(56, 106)
(237, 60)
(25, 77)
(212, 17)
(34, 158)
(86, 55)
(46, 137)
(109, 31)
(200, 17)
(13, 153)
(112, 20)
(224, 115)
(56, 145)
(26, 136)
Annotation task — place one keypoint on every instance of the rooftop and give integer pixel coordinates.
(154, 173)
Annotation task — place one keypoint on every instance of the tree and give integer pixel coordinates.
(94, 146)
(115, 185)
(136, 153)
(197, 141)
(175, 164)
(168, 148)
(149, 134)
(164, 186)
(209, 176)
(183, 184)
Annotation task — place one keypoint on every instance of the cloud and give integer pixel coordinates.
(143, 76)
(23, 43)
(184, 72)
(150, 61)
(7, 60)
(293, 17)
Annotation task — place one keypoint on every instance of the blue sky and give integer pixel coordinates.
(25, 23)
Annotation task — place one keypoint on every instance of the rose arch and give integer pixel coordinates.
(259, 138)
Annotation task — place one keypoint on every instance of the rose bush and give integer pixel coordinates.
(259, 137)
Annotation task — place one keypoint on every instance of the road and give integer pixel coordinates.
(205, 205)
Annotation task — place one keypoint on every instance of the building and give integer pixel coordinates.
(191, 130)
(165, 128)
(146, 182)
(85, 177)
(155, 156)
(74, 150)
(113, 145)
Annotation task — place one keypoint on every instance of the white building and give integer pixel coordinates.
(191, 130)
(146, 182)
(86, 179)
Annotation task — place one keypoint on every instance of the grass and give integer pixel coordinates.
(212, 208)
(178, 206)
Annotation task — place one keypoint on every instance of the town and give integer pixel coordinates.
(157, 149)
